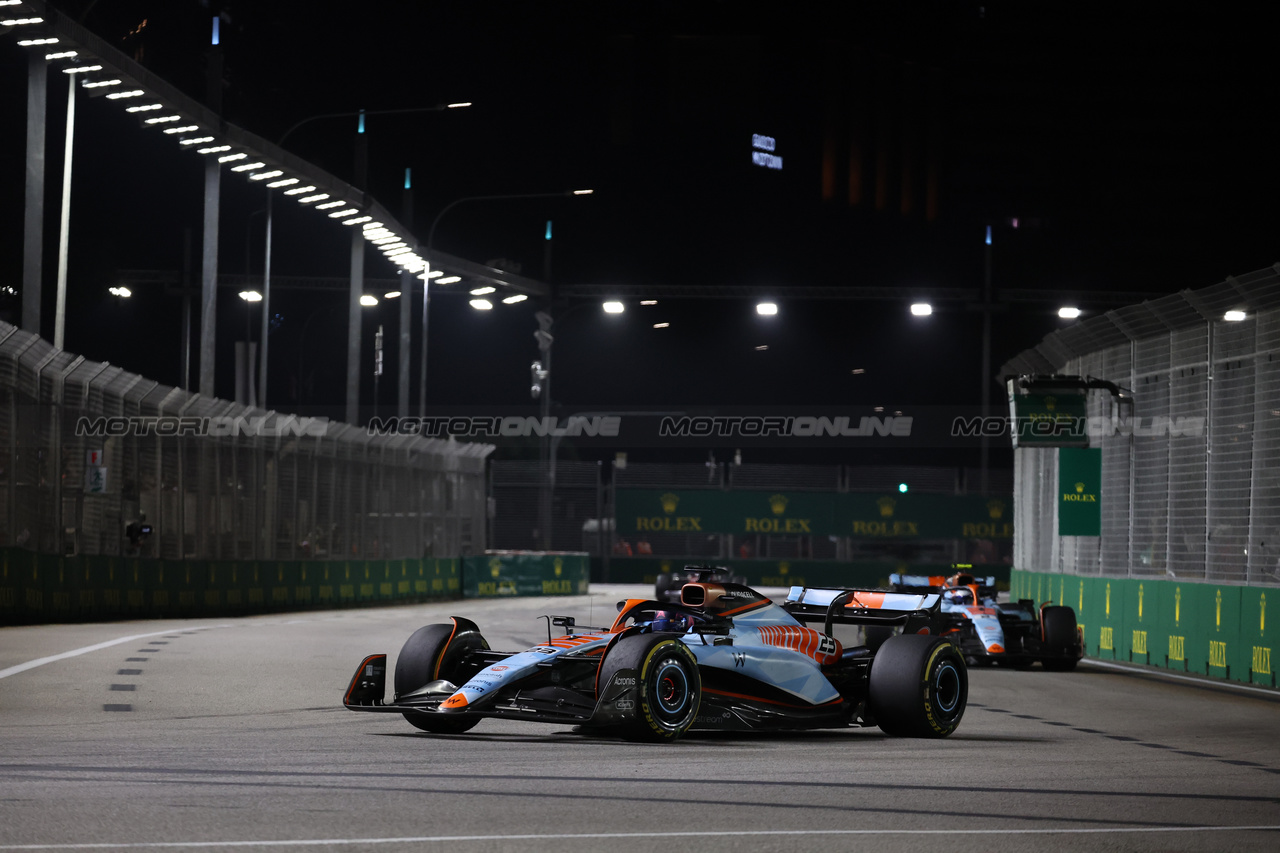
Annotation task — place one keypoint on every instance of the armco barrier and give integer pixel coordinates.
(784, 572)
(1211, 629)
(508, 573)
(37, 588)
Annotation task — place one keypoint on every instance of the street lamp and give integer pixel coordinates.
(479, 304)
(353, 324)
(541, 390)
(244, 355)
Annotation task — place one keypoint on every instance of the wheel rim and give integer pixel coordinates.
(947, 687)
(670, 690)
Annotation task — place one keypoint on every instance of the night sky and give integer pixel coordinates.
(1132, 144)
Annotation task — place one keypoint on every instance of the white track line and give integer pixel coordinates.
(1138, 669)
(424, 839)
(32, 664)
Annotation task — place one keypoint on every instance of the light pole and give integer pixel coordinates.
(426, 281)
(985, 453)
(357, 246)
(540, 384)
(244, 377)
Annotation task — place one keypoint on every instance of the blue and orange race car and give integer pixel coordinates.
(989, 631)
(724, 658)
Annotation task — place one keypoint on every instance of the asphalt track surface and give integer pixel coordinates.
(229, 735)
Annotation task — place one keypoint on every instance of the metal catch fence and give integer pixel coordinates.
(88, 449)
(1190, 478)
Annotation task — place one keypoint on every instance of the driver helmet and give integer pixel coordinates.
(958, 596)
(664, 620)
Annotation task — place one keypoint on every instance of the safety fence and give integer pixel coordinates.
(97, 461)
(1190, 474)
(1216, 630)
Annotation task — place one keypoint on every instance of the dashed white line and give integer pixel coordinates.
(32, 664)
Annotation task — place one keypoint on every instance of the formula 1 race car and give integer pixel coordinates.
(989, 631)
(725, 658)
(668, 584)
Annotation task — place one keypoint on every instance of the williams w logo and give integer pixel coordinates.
(739, 659)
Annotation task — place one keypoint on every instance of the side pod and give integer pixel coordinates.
(369, 685)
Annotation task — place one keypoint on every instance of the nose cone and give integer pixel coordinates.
(993, 648)
(455, 702)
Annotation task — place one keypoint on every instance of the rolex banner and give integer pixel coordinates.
(1079, 491)
(1049, 420)
(641, 512)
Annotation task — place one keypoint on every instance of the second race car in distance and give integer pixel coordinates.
(668, 584)
(725, 658)
(991, 631)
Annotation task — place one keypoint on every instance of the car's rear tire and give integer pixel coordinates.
(918, 686)
(435, 652)
(1060, 638)
(661, 585)
(668, 687)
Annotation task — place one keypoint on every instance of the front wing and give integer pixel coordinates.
(543, 703)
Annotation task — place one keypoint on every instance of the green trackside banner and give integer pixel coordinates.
(42, 588)
(641, 512)
(498, 574)
(1215, 630)
(1079, 491)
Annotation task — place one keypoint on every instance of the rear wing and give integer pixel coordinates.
(936, 583)
(860, 606)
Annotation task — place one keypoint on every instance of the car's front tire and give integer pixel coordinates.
(918, 686)
(668, 687)
(436, 652)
